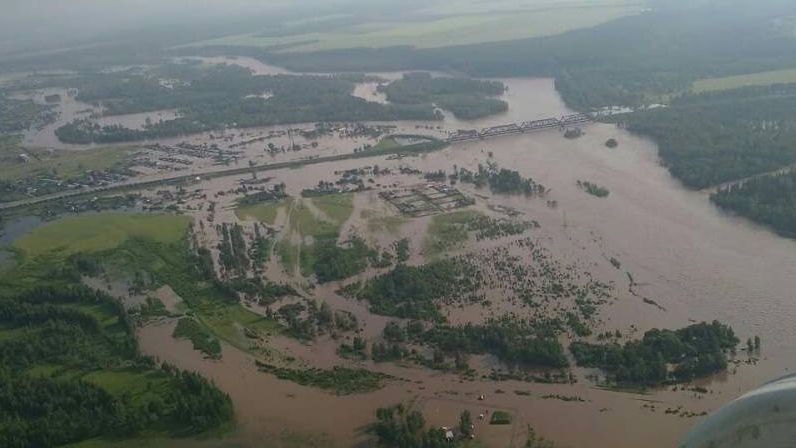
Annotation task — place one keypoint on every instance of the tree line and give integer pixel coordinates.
(661, 356)
(770, 200)
(711, 138)
(672, 44)
(223, 96)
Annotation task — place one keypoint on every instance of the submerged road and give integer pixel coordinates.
(433, 144)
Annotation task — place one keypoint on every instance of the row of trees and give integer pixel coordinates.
(233, 253)
(513, 341)
(499, 180)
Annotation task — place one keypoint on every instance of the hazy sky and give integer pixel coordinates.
(66, 12)
(30, 25)
(33, 22)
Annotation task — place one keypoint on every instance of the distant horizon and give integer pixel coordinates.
(47, 24)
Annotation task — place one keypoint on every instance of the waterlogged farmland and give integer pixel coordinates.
(209, 250)
(331, 277)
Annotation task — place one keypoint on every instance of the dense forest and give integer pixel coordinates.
(628, 61)
(211, 98)
(215, 97)
(412, 291)
(770, 200)
(716, 137)
(465, 98)
(60, 347)
(60, 339)
(333, 262)
(661, 356)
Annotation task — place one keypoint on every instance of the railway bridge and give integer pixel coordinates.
(519, 128)
(457, 136)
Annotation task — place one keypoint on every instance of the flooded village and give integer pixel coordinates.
(444, 223)
(650, 255)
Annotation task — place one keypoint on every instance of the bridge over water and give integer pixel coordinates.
(519, 128)
(458, 136)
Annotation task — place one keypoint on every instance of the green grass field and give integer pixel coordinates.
(753, 79)
(152, 244)
(307, 260)
(66, 164)
(266, 212)
(226, 322)
(200, 336)
(500, 418)
(288, 254)
(447, 232)
(138, 384)
(130, 243)
(9, 145)
(305, 222)
(169, 263)
(104, 316)
(387, 143)
(387, 224)
(311, 217)
(7, 334)
(335, 209)
(459, 25)
(338, 207)
(95, 233)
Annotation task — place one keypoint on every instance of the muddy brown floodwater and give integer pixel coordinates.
(694, 261)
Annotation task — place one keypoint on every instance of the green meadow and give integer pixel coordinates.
(448, 231)
(94, 233)
(787, 76)
(458, 25)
